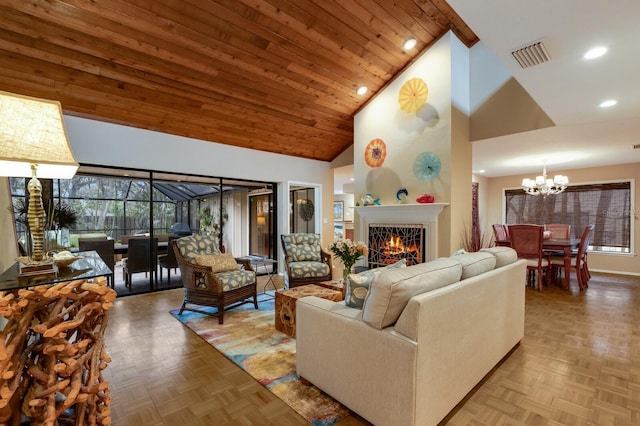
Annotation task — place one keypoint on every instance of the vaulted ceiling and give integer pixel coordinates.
(273, 75)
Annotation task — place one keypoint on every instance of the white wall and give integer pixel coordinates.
(99, 143)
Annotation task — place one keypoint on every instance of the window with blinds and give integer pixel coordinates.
(606, 205)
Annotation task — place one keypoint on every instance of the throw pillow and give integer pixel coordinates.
(217, 262)
(358, 284)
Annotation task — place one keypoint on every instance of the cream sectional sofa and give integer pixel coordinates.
(427, 334)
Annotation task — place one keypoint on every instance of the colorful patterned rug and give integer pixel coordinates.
(248, 338)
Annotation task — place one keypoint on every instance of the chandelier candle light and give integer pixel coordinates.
(544, 186)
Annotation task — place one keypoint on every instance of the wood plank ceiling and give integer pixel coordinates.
(273, 75)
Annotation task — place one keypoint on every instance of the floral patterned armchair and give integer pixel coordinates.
(212, 278)
(306, 261)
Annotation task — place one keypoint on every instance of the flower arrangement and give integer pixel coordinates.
(348, 251)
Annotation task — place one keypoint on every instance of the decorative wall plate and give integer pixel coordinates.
(375, 153)
(413, 94)
(426, 166)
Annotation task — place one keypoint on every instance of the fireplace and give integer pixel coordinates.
(419, 220)
(391, 243)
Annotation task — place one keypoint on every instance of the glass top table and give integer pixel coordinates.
(87, 265)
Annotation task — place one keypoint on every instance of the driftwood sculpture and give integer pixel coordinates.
(52, 354)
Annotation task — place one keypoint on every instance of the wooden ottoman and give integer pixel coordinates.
(286, 304)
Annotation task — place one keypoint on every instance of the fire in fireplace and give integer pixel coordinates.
(390, 243)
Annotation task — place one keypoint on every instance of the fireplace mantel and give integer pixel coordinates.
(418, 214)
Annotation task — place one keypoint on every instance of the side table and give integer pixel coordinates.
(285, 312)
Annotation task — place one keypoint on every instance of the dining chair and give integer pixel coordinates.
(168, 261)
(579, 260)
(526, 240)
(106, 251)
(140, 258)
(501, 234)
(558, 230)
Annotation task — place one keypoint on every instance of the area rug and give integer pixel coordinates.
(248, 338)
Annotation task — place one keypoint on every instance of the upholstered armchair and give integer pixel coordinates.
(306, 261)
(212, 278)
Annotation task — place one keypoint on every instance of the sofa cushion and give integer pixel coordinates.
(197, 244)
(358, 285)
(475, 263)
(504, 255)
(302, 247)
(392, 289)
(217, 262)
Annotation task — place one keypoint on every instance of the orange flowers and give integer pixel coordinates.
(375, 153)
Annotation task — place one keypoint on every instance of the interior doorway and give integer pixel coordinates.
(303, 209)
(261, 225)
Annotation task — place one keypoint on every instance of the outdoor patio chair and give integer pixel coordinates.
(212, 278)
(168, 261)
(306, 261)
(139, 258)
(105, 249)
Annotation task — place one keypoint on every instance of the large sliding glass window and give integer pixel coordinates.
(607, 205)
(123, 204)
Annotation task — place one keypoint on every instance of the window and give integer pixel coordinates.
(607, 205)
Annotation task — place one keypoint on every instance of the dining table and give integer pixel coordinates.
(566, 245)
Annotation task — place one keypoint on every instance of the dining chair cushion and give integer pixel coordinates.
(475, 263)
(303, 247)
(504, 255)
(194, 245)
(358, 285)
(217, 262)
(308, 269)
(559, 260)
(534, 263)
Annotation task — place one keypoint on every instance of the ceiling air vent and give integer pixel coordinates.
(531, 55)
(637, 146)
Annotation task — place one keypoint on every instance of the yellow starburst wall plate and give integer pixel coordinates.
(413, 95)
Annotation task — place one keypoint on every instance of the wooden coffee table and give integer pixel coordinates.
(334, 285)
(286, 304)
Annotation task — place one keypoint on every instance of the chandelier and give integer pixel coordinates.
(544, 186)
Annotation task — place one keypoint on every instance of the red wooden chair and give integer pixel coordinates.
(501, 234)
(526, 240)
(579, 261)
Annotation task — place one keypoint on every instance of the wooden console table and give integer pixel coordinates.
(52, 346)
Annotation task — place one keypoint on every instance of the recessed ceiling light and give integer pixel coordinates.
(352, 179)
(596, 52)
(481, 171)
(609, 103)
(409, 43)
(362, 90)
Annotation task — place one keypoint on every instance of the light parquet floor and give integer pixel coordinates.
(579, 364)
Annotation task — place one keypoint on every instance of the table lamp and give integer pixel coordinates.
(33, 142)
